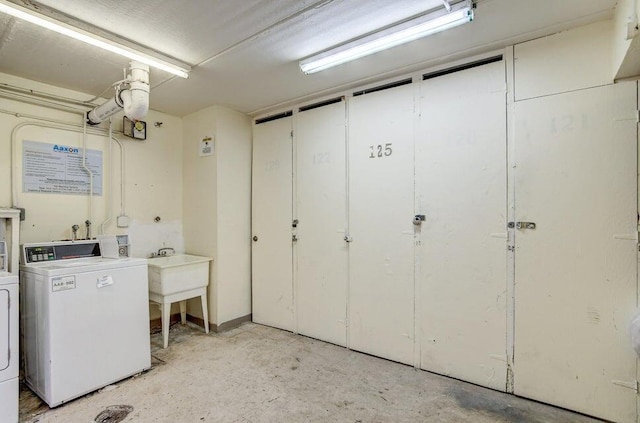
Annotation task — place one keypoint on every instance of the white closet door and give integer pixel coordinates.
(381, 197)
(272, 280)
(321, 252)
(461, 188)
(6, 319)
(576, 272)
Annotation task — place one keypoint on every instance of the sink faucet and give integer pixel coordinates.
(74, 232)
(168, 251)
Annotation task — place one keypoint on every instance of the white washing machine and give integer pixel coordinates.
(85, 319)
(9, 357)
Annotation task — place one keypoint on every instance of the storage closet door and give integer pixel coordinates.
(381, 197)
(576, 271)
(272, 280)
(461, 188)
(321, 252)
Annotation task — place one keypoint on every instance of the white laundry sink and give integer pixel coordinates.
(181, 272)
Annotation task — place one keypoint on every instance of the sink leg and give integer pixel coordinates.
(166, 319)
(183, 312)
(205, 312)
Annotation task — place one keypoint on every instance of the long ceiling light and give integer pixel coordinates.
(89, 38)
(404, 32)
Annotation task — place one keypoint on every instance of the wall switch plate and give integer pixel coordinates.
(123, 221)
(206, 147)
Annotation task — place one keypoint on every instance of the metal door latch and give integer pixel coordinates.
(347, 238)
(294, 224)
(521, 225)
(294, 237)
(418, 219)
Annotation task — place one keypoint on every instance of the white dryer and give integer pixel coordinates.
(9, 357)
(85, 319)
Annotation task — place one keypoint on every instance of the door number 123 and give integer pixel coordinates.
(380, 150)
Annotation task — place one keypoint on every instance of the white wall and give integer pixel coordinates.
(567, 61)
(200, 198)
(153, 176)
(217, 211)
(161, 175)
(234, 215)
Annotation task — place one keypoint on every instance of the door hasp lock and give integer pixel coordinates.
(521, 225)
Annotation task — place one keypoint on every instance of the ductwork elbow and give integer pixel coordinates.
(135, 100)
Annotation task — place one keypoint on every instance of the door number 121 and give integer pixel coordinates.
(380, 150)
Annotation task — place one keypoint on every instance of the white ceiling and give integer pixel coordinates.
(245, 53)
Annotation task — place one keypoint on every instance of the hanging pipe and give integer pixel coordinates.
(86, 168)
(109, 195)
(122, 176)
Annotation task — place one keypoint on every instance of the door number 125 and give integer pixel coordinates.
(380, 150)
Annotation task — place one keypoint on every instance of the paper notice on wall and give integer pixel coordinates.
(57, 168)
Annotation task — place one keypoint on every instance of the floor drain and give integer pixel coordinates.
(114, 414)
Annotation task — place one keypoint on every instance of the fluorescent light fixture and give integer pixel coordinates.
(404, 32)
(89, 38)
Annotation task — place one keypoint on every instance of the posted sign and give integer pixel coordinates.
(57, 168)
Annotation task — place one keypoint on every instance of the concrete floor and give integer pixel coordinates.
(259, 374)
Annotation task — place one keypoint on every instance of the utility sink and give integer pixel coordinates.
(178, 278)
(181, 272)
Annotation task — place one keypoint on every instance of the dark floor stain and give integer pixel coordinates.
(114, 414)
(156, 361)
(30, 405)
(502, 409)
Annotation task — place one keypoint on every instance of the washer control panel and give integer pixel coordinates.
(37, 254)
(62, 250)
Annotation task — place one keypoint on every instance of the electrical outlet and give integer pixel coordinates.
(123, 221)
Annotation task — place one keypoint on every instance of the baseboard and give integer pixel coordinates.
(155, 325)
(233, 323)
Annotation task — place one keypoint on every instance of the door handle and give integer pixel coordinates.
(255, 238)
(418, 219)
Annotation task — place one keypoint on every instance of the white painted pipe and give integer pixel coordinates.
(104, 111)
(53, 124)
(109, 196)
(122, 176)
(14, 148)
(86, 169)
(136, 98)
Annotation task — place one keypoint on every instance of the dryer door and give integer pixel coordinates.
(5, 333)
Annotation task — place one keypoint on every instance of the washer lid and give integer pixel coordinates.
(81, 265)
